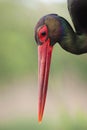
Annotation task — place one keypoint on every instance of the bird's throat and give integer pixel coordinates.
(72, 42)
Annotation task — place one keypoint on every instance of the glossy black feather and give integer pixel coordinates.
(78, 12)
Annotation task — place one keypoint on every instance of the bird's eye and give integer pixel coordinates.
(43, 33)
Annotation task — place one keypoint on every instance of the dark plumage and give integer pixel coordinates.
(78, 12)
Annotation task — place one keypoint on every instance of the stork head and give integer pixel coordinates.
(48, 26)
(47, 33)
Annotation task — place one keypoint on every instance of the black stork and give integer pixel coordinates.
(53, 28)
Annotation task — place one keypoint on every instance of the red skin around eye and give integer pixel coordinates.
(42, 38)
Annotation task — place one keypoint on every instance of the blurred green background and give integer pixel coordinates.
(66, 107)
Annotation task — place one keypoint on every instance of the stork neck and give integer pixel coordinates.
(70, 41)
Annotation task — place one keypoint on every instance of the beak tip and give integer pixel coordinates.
(39, 119)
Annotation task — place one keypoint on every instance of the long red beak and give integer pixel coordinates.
(44, 60)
